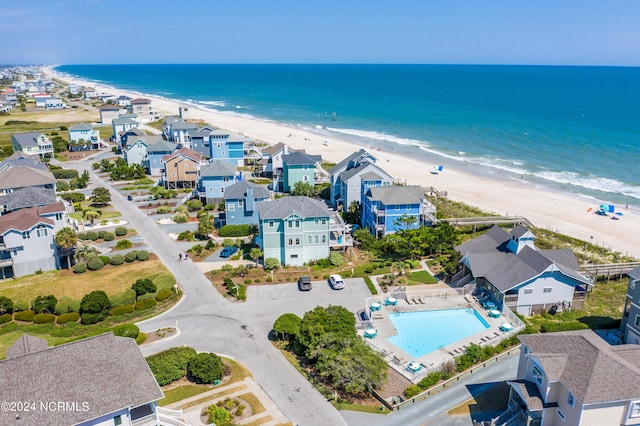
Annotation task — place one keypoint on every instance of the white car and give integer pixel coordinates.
(336, 282)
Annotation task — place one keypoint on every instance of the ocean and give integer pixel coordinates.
(570, 129)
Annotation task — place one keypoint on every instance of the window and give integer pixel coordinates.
(570, 400)
(528, 291)
(117, 420)
(297, 241)
(632, 285)
(317, 239)
(222, 189)
(317, 222)
(271, 224)
(537, 374)
(225, 179)
(635, 409)
(324, 221)
(297, 224)
(305, 178)
(397, 207)
(324, 239)
(294, 256)
(637, 322)
(26, 235)
(173, 174)
(408, 207)
(58, 216)
(547, 289)
(41, 231)
(309, 239)
(290, 224)
(290, 241)
(240, 203)
(231, 207)
(560, 414)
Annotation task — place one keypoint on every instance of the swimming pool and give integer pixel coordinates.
(422, 332)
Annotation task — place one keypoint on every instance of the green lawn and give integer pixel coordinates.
(181, 392)
(422, 277)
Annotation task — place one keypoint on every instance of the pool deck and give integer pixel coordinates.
(427, 301)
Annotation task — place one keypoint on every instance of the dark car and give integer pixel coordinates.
(304, 283)
(228, 251)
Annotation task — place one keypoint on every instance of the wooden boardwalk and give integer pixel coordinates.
(488, 220)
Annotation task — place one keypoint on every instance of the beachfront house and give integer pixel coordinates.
(143, 110)
(157, 149)
(122, 124)
(101, 380)
(574, 378)
(241, 200)
(73, 89)
(32, 143)
(181, 131)
(294, 230)
(125, 135)
(180, 169)
(199, 140)
(354, 182)
(298, 167)
(383, 206)
(89, 93)
(108, 113)
(123, 101)
(630, 324)
(271, 160)
(511, 271)
(352, 161)
(84, 135)
(213, 180)
(226, 146)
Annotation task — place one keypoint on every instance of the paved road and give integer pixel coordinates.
(208, 322)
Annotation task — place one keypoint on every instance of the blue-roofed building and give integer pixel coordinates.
(227, 147)
(384, 205)
(240, 201)
(214, 178)
(298, 167)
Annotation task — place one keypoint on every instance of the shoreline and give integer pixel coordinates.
(552, 209)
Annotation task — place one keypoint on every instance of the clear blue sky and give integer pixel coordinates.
(575, 32)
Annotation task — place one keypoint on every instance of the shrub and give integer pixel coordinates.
(24, 315)
(210, 245)
(257, 281)
(105, 259)
(141, 305)
(142, 255)
(117, 259)
(552, 326)
(94, 302)
(163, 210)
(430, 380)
(248, 281)
(194, 205)
(79, 268)
(141, 338)
(128, 297)
(163, 295)
(205, 368)
(44, 304)
(325, 277)
(95, 264)
(235, 230)
(368, 270)
(121, 310)
(68, 317)
(88, 319)
(101, 233)
(123, 244)
(62, 185)
(226, 268)
(121, 231)
(21, 305)
(336, 258)
(131, 256)
(126, 330)
(5, 318)
(82, 236)
(228, 242)
(185, 235)
(147, 296)
(170, 365)
(92, 235)
(143, 286)
(271, 263)
(65, 173)
(109, 236)
(269, 279)
(411, 391)
(180, 218)
(44, 318)
(6, 305)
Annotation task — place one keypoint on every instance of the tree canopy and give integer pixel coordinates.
(288, 325)
(100, 196)
(304, 188)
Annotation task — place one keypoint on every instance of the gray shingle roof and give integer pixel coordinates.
(519, 230)
(217, 168)
(349, 173)
(157, 144)
(495, 239)
(123, 120)
(303, 207)
(81, 127)
(107, 372)
(591, 369)
(341, 165)
(183, 125)
(27, 139)
(273, 149)
(238, 190)
(394, 195)
(25, 345)
(300, 159)
(28, 197)
(22, 176)
(19, 158)
(370, 176)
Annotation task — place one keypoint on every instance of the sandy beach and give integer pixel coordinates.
(561, 212)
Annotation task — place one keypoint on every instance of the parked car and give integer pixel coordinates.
(304, 283)
(228, 251)
(336, 282)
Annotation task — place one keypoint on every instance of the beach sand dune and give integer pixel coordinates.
(561, 212)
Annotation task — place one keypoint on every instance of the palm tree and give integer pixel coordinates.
(255, 254)
(92, 214)
(86, 253)
(398, 267)
(66, 240)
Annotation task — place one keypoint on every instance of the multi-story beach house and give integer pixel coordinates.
(351, 184)
(241, 200)
(199, 140)
(100, 381)
(226, 146)
(32, 143)
(84, 134)
(157, 149)
(125, 135)
(108, 113)
(122, 124)
(215, 177)
(630, 324)
(352, 161)
(89, 93)
(180, 132)
(383, 206)
(136, 151)
(181, 169)
(512, 272)
(574, 378)
(271, 161)
(294, 230)
(298, 167)
(123, 101)
(143, 109)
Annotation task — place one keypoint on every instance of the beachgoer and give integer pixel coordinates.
(186, 256)
(180, 257)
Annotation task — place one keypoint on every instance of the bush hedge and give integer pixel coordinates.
(44, 318)
(128, 297)
(80, 268)
(141, 338)
(131, 256)
(142, 255)
(92, 235)
(123, 244)
(145, 304)
(87, 319)
(121, 310)
(5, 318)
(121, 231)
(126, 330)
(65, 173)
(170, 365)
(109, 236)
(74, 197)
(105, 259)
(95, 264)
(117, 259)
(553, 326)
(235, 230)
(205, 368)
(68, 317)
(24, 315)
(163, 295)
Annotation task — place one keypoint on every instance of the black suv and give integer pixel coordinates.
(304, 283)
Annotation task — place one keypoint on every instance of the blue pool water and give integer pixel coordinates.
(422, 332)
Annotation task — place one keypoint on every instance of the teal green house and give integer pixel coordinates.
(294, 230)
(298, 167)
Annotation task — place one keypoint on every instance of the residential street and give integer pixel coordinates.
(208, 322)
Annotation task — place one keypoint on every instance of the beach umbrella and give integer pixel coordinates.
(619, 213)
